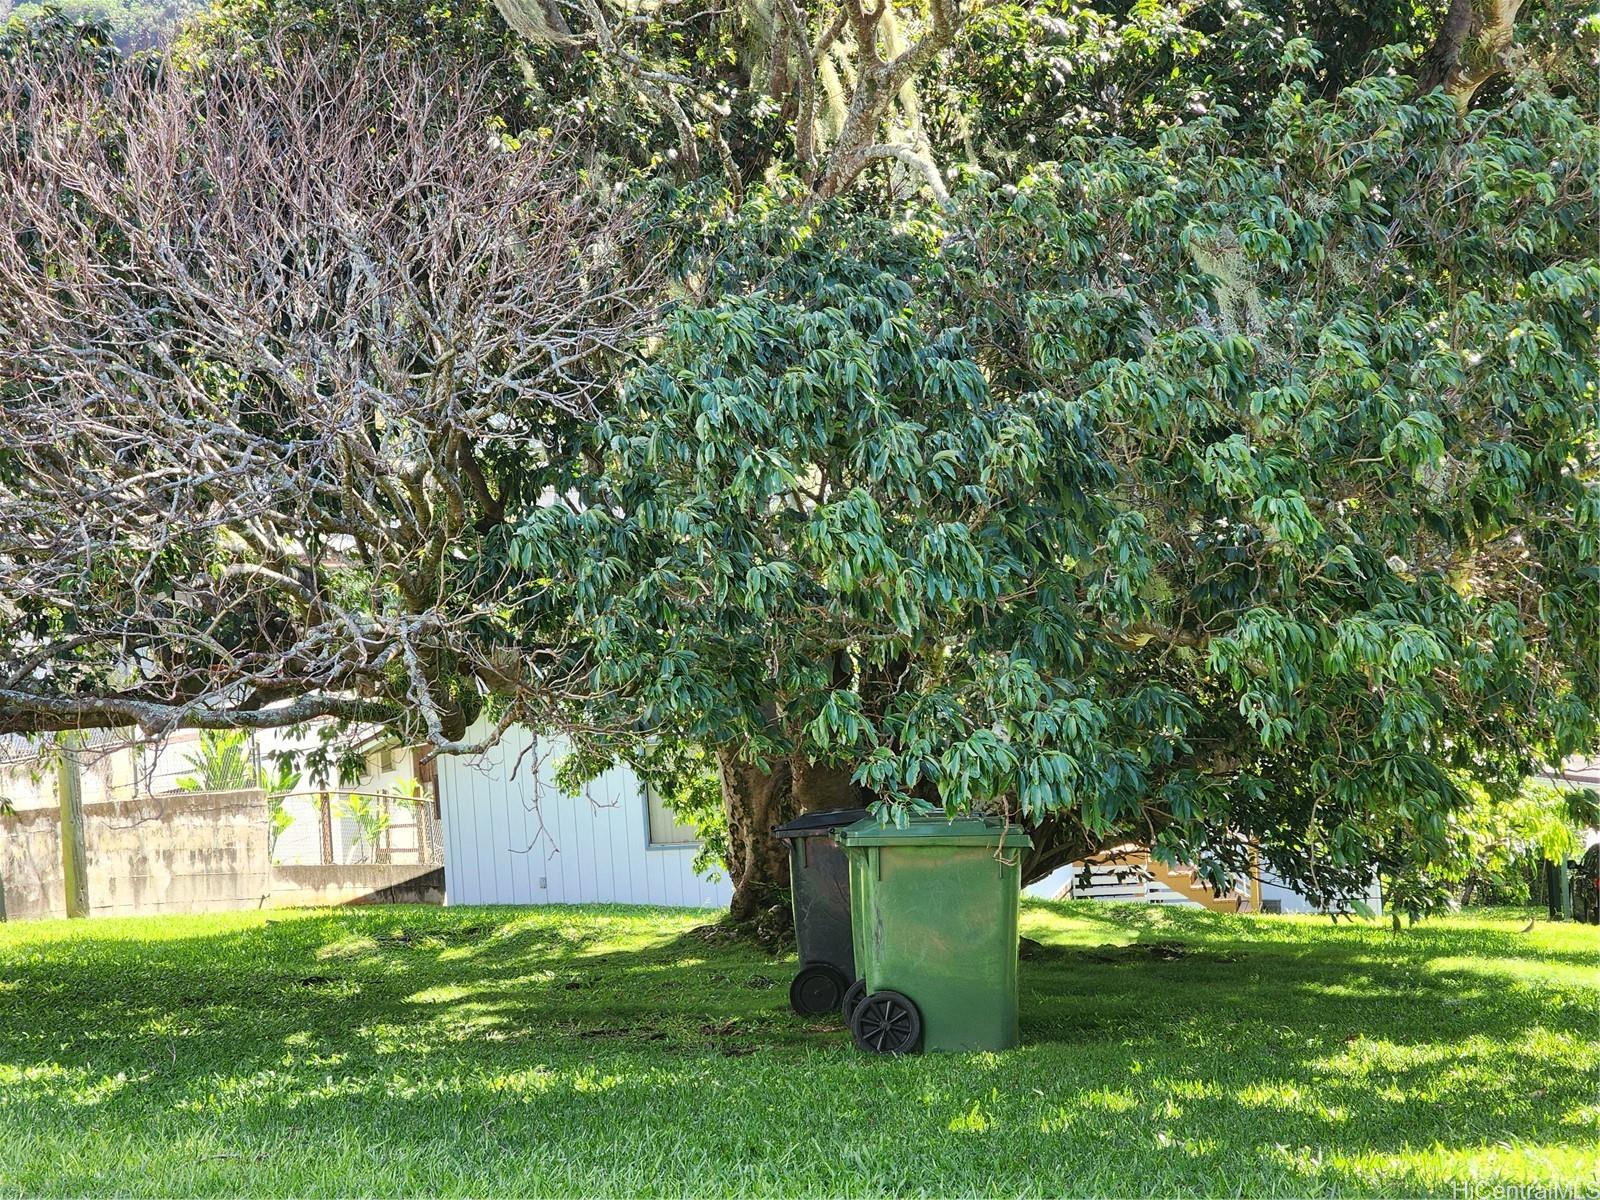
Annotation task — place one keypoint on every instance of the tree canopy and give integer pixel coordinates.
(1165, 492)
(306, 324)
(1163, 422)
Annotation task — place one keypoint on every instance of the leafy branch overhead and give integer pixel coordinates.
(1167, 493)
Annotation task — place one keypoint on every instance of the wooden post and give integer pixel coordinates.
(74, 850)
(427, 774)
(380, 851)
(327, 830)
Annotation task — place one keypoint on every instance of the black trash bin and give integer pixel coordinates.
(819, 880)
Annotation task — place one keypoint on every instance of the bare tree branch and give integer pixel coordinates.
(288, 348)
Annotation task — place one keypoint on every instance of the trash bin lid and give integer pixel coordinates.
(814, 823)
(938, 831)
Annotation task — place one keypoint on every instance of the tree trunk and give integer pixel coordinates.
(1473, 46)
(757, 796)
(1055, 844)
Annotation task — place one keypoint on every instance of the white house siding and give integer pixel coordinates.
(1289, 900)
(512, 837)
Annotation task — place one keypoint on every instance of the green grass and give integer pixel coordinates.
(609, 1051)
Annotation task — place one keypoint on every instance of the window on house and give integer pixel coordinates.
(665, 828)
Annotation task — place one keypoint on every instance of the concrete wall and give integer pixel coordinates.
(186, 852)
(315, 886)
(179, 852)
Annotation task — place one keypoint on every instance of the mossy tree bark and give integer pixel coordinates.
(1475, 43)
(755, 797)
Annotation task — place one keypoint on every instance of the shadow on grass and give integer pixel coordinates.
(1181, 1048)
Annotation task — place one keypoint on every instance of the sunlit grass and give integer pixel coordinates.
(610, 1051)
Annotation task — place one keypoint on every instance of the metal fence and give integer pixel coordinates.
(345, 827)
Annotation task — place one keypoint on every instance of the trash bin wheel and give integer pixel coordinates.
(852, 997)
(886, 1023)
(817, 989)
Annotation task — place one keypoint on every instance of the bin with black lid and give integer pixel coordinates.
(819, 881)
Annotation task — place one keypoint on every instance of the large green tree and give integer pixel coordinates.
(1171, 494)
(1161, 421)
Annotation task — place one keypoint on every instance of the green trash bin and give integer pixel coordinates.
(934, 908)
(820, 886)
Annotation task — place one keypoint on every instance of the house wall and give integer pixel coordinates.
(512, 837)
(28, 784)
(113, 766)
(1289, 900)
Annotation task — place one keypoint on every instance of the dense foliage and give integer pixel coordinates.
(1032, 77)
(1169, 492)
(1498, 849)
(1157, 422)
(130, 25)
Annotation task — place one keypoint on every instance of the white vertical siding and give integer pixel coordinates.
(511, 837)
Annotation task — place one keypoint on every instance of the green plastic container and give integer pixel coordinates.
(934, 925)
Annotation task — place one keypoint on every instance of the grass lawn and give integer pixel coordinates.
(610, 1051)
